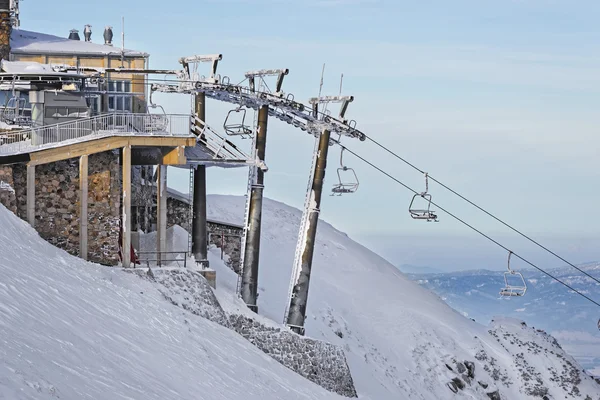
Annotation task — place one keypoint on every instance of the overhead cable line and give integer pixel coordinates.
(147, 82)
(470, 226)
(482, 209)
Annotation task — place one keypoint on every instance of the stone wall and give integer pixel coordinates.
(319, 362)
(178, 213)
(7, 192)
(104, 206)
(57, 204)
(229, 239)
(223, 236)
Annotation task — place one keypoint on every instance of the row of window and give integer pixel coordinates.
(116, 102)
(119, 86)
(62, 112)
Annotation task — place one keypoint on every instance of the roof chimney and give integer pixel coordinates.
(74, 34)
(87, 33)
(108, 35)
(5, 29)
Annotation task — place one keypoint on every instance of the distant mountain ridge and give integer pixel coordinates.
(547, 304)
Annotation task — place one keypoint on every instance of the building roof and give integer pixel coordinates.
(28, 42)
(26, 68)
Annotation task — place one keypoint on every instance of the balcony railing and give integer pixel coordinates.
(114, 124)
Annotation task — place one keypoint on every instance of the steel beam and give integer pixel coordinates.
(31, 195)
(126, 218)
(161, 213)
(83, 207)
(249, 288)
(199, 232)
(299, 298)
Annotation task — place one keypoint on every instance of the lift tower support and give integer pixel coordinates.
(249, 289)
(199, 231)
(298, 296)
(199, 234)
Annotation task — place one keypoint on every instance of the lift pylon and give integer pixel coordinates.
(295, 312)
(191, 65)
(261, 73)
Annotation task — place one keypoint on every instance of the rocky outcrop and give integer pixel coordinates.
(541, 363)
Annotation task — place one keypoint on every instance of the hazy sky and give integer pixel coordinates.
(498, 99)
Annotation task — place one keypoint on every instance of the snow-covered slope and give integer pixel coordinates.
(75, 330)
(401, 340)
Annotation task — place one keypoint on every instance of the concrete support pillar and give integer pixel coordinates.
(297, 308)
(199, 233)
(249, 288)
(83, 210)
(161, 213)
(126, 216)
(31, 195)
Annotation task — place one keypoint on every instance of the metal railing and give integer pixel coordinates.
(221, 147)
(113, 124)
(162, 258)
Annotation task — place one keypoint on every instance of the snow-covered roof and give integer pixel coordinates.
(28, 42)
(33, 68)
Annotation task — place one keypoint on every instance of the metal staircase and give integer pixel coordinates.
(220, 146)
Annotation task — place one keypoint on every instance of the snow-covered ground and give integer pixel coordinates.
(75, 330)
(398, 336)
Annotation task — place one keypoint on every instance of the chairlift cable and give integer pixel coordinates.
(483, 210)
(471, 226)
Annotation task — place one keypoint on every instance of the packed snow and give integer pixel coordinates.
(74, 330)
(23, 41)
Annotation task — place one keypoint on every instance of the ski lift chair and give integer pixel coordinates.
(426, 214)
(513, 290)
(155, 122)
(235, 123)
(348, 186)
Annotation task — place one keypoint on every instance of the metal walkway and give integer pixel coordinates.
(210, 146)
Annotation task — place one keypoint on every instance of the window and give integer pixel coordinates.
(116, 102)
(94, 103)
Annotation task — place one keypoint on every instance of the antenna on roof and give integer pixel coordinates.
(321, 84)
(341, 82)
(122, 42)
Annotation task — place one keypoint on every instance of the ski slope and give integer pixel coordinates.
(74, 330)
(397, 335)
